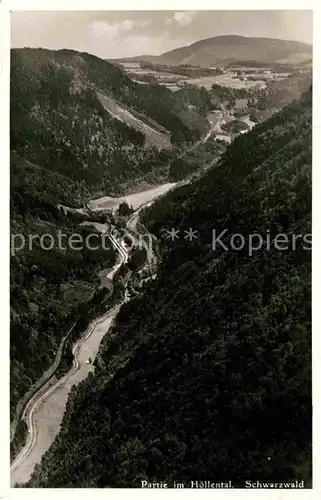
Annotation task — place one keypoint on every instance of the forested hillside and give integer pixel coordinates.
(208, 375)
(261, 103)
(59, 122)
(66, 147)
(50, 289)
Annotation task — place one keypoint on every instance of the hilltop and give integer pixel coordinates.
(227, 49)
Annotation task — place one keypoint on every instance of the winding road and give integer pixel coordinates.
(43, 422)
(44, 411)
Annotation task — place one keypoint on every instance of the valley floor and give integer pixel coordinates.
(44, 412)
(134, 200)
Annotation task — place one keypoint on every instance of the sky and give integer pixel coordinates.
(114, 34)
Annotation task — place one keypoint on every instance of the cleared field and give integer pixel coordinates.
(136, 199)
(225, 80)
(153, 136)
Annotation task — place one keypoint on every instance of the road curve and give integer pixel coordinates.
(44, 411)
(23, 465)
(27, 399)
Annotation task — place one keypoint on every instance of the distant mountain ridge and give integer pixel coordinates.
(216, 50)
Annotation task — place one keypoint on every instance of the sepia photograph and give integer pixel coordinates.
(160, 249)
